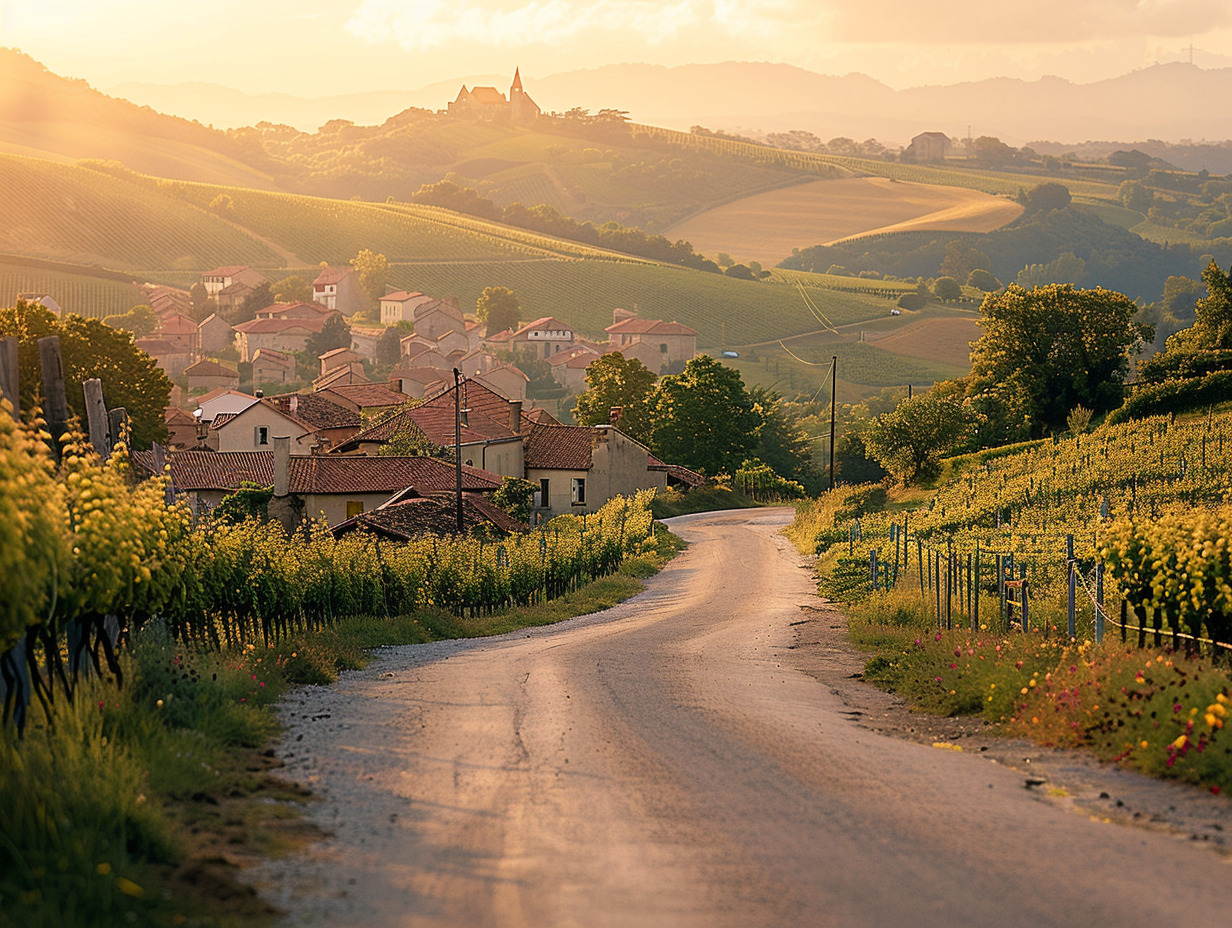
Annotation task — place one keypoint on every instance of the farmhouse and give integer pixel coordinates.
(219, 279)
(579, 468)
(929, 146)
(672, 344)
(400, 306)
(214, 333)
(272, 366)
(208, 375)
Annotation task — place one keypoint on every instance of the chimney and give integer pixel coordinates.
(615, 413)
(515, 416)
(282, 466)
(294, 404)
(260, 394)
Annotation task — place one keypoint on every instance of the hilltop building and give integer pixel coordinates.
(490, 103)
(929, 146)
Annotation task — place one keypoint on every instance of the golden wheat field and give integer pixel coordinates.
(946, 340)
(767, 226)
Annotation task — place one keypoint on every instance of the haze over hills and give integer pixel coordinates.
(1167, 101)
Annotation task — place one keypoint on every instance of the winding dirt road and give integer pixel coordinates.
(664, 764)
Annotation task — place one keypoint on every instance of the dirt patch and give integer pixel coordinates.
(1072, 779)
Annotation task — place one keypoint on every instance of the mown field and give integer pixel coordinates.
(766, 227)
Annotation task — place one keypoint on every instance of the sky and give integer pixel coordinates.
(324, 47)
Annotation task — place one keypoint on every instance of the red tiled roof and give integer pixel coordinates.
(342, 374)
(338, 473)
(560, 447)
(157, 347)
(424, 375)
(331, 275)
(401, 296)
(280, 310)
(267, 326)
(334, 352)
(563, 357)
(550, 323)
(315, 410)
(197, 469)
(648, 327)
(368, 395)
(539, 416)
(273, 355)
(435, 514)
(207, 368)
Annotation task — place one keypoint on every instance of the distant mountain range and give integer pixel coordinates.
(1170, 102)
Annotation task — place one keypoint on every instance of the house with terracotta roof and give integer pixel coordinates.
(311, 422)
(222, 401)
(338, 288)
(214, 333)
(400, 305)
(293, 310)
(418, 382)
(181, 428)
(162, 299)
(340, 487)
(542, 338)
(579, 468)
(364, 339)
(569, 366)
(507, 380)
(270, 366)
(171, 358)
(364, 398)
(288, 335)
(338, 357)
(491, 431)
(435, 319)
(350, 373)
(206, 375)
(410, 515)
(220, 278)
(672, 343)
(178, 329)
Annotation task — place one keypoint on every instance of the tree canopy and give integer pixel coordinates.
(335, 333)
(499, 308)
(90, 349)
(373, 271)
(703, 418)
(1052, 348)
(910, 441)
(614, 381)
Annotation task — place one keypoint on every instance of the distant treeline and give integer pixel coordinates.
(551, 221)
(1114, 258)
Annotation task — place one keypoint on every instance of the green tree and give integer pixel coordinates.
(292, 289)
(335, 333)
(1046, 197)
(373, 272)
(781, 441)
(960, 259)
(1052, 348)
(1136, 195)
(947, 290)
(1067, 268)
(1212, 326)
(246, 311)
(199, 297)
(389, 345)
(614, 381)
(499, 308)
(703, 418)
(983, 280)
(910, 441)
(88, 349)
(516, 496)
(139, 321)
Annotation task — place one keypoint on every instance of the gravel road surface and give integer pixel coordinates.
(669, 762)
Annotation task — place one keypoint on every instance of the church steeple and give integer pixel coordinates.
(517, 83)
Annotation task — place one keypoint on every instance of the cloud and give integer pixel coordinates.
(422, 25)
(1059, 22)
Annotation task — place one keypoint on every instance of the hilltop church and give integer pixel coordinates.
(490, 103)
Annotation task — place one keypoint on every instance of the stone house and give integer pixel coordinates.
(338, 357)
(220, 278)
(206, 375)
(579, 468)
(272, 366)
(929, 146)
(673, 344)
(400, 305)
(214, 334)
(338, 288)
(288, 335)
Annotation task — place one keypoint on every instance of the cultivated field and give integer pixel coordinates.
(76, 293)
(767, 226)
(938, 339)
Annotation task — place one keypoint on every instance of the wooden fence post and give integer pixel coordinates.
(55, 400)
(96, 417)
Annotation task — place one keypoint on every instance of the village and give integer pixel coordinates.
(370, 444)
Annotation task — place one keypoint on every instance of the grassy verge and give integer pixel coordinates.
(703, 499)
(139, 804)
(1158, 712)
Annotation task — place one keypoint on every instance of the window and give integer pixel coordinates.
(355, 507)
(545, 493)
(663, 347)
(579, 491)
(261, 436)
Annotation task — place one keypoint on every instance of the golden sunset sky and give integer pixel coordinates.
(325, 47)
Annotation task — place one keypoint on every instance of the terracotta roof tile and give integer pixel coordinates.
(338, 473)
(435, 514)
(317, 411)
(213, 470)
(368, 395)
(649, 327)
(207, 368)
(560, 447)
(331, 275)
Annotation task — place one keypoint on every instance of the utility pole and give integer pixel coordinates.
(833, 385)
(457, 442)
